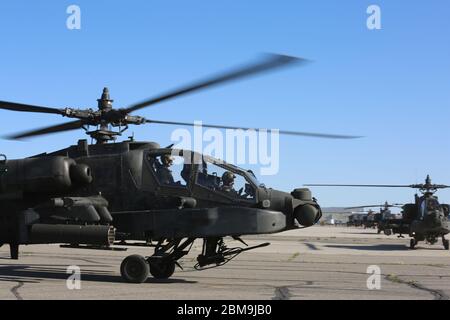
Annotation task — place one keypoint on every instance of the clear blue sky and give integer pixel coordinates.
(391, 86)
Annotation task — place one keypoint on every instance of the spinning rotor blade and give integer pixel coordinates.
(413, 186)
(359, 185)
(361, 207)
(56, 128)
(293, 133)
(273, 62)
(431, 186)
(27, 108)
(376, 206)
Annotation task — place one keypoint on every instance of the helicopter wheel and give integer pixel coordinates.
(162, 270)
(413, 244)
(134, 269)
(446, 244)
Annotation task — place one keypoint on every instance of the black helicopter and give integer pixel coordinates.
(424, 220)
(96, 194)
(384, 220)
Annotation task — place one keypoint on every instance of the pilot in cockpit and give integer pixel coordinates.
(163, 170)
(228, 182)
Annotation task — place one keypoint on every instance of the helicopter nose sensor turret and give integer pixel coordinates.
(306, 214)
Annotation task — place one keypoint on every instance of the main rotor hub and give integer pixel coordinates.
(105, 103)
(428, 181)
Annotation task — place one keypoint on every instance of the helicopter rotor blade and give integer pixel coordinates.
(432, 186)
(413, 186)
(359, 185)
(28, 108)
(376, 206)
(274, 61)
(284, 132)
(52, 129)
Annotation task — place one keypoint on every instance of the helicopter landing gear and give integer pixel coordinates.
(388, 232)
(162, 270)
(134, 269)
(445, 242)
(161, 265)
(14, 251)
(413, 243)
(215, 253)
(163, 262)
(432, 240)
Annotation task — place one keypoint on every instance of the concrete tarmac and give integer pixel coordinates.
(316, 263)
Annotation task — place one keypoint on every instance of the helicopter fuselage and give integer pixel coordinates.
(142, 206)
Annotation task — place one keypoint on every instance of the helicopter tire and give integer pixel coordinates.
(446, 244)
(134, 269)
(413, 244)
(162, 271)
(388, 232)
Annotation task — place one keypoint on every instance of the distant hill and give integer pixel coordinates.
(339, 210)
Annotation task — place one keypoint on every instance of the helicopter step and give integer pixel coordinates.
(198, 223)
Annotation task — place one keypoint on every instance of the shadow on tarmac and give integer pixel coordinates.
(36, 273)
(379, 247)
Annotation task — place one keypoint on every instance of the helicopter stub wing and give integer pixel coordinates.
(198, 223)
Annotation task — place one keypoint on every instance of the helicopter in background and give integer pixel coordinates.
(356, 219)
(96, 194)
(424, 220)
(384, 220)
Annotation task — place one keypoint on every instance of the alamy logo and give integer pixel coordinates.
(238, 146)
(73, 22)
(74, 280)
(374, 19)
(374, 280)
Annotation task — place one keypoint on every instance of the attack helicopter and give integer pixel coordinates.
(424, 220)
(100, 193)
(385, 221)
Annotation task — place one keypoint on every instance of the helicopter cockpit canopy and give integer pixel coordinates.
(212, 174)
(182, 168)
(429, 206)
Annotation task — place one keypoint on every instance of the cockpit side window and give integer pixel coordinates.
(446, 209)
(170, 170)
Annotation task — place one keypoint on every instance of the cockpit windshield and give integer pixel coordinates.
(429, 206)
(432, 204)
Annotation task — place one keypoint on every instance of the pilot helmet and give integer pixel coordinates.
(167, 160)
(228, 178)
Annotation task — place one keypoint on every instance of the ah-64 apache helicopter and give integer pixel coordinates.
(385, 221)
(96, 194)
(424, 220)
